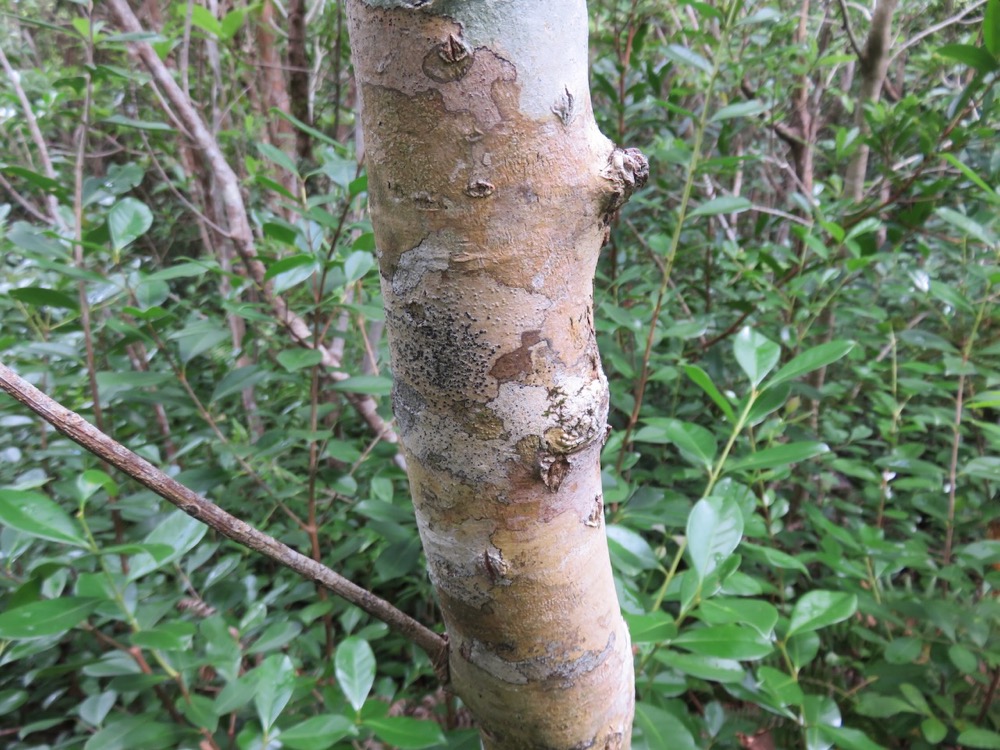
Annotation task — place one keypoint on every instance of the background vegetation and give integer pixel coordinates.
(805, 373)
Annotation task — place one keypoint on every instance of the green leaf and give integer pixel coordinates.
(297, 359)
(630, 549)
(129, 122)
(34, 514)
(984, 467)
(782, 686)
(934, 730)
(756, 354)
(204, 19)
(726, 204)
(279, 157)
(37, 296)
(290, 263)
(651, 628)
(232, 22)
(701, 378)
(275, 685)
(845, 738)
(704, 667)
(714, 530)
(778, 455)
(661, 729)
(968, 54)
(810, 360)
(357, 265)
(318, 733)
(991, 27)
(354, 664)
(128, 220)
(819, 609)
(133, 732)
(740, 109)
(404, 732)
(979, 738)
(372, 385)
(45, 618)
(694, 442)
(685, 56)
(963, 659)
(776, 558)
(179, 531)
(725, 642)
(238, 380)
(967, 225)
(988, 192)
(758, 614)
(275, 636)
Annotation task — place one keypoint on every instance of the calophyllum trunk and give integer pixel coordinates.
(491, 190)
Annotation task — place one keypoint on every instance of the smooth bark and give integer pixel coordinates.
(491, 192)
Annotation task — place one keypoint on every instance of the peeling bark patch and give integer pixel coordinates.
(479, 189)
(553, 470)
(449, 61)
(596, 513)
(517, 364)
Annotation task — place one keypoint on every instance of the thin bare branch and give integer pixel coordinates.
(850, 31)
(957, 18)
(77, 429)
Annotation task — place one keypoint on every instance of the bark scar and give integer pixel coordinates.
(627, 170)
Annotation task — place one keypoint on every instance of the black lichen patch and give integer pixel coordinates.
(441, 351)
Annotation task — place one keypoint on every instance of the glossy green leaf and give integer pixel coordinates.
(846, 738)
(319, 732)
(661, 729)
(820, 609)
(275, 636)
(934, 730)
(971, 55)
(694, 442)
(178, 531)
(37, 296)
(128, 220)
(756, 354)
(372, 385)
(275, 685)
(727, 204)
(404, 732)
(714, 530)
(279, 157)
(686, 56)
(976, 737)
(131, 732)
(651, 628)
(758, 614)
(298, 359)
(630, 550)
(34, 514)
(725, 642)
(704, 667)
(354, 664)
(238, 380)
(810, 360)
(701, 378)
(45, 618)
(778, 455)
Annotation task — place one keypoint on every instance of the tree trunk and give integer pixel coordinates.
(491, 191)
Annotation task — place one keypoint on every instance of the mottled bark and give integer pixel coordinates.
(491, 190)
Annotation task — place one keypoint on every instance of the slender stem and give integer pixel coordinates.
(675, 242)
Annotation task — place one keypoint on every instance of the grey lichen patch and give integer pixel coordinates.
(432, 254)
(553, 668)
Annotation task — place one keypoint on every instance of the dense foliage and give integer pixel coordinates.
(805, 376)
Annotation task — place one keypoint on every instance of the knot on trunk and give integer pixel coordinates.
(627, 170)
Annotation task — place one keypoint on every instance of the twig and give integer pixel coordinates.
(850, 32)
(22, 201)
(36, 136)
(916, 38)
(77, 429)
